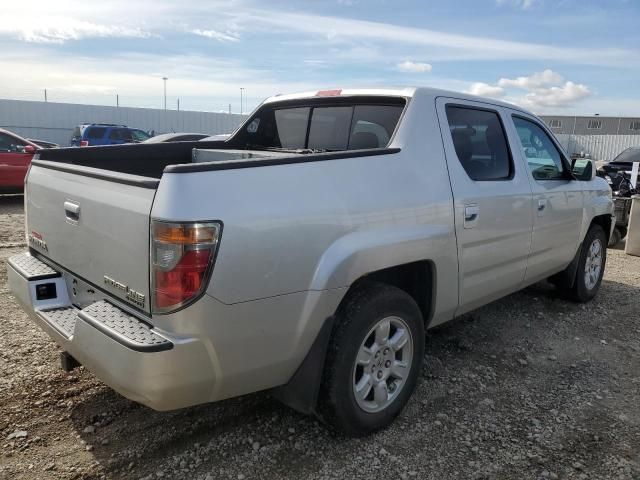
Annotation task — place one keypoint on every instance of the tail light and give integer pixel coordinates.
(84, 143)
(182, 256)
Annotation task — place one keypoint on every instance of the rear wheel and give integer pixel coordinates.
(593, 258)
(374, 359)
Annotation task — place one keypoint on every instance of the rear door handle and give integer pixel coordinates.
(542, 205)
(471, 214)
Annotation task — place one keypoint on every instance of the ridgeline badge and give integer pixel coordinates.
(134, 297)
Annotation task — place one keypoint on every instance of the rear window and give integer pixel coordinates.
(96, 132)
(324, 127)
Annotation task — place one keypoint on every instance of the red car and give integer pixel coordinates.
(15, 156)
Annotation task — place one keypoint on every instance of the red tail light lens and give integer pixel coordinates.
(84, 143)
(182, 256)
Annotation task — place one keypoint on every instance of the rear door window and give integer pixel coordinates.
(96, 132)
(480, 143)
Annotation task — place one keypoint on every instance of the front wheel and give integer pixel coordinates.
(373, 362)
(593, 258)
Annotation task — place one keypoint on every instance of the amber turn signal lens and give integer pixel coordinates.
(185, 234)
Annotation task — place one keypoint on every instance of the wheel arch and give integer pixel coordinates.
(418, 279)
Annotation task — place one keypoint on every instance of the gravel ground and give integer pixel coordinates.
(529, 387)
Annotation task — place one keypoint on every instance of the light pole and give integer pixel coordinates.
(164, 79)
(241, 92)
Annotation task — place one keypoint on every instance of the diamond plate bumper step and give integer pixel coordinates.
(62, 319)
(123, 328)
(31, 268)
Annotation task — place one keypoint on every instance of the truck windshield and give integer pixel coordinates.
(324, 127)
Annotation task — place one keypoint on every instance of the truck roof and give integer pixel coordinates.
(390, 91)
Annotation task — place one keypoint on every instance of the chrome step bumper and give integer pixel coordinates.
(104, 316)
(152, 367)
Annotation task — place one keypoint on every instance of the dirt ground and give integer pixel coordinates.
(529, 387)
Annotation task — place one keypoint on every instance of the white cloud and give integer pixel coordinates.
(536, 80)
(60, 30)
(413, 67)
(485, 90)
(523, 4)
(216, 35)
(558, 97)
(543, 90)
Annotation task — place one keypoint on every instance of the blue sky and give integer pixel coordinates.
(563, 56)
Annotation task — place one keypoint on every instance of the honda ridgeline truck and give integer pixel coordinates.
(308, 252)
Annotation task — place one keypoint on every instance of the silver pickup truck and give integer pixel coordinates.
(308, 252)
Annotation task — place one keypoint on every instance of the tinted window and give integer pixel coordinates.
(629, 155)
(291, 127)
(5, 142)
(480, 143)
(544, 159)
(373, 125)
(331, 127)
(115, 134)
(11, 144)
(96, 132)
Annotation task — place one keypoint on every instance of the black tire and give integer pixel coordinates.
(580, 292)
(616, 237)
(623, 232)
(363, 310)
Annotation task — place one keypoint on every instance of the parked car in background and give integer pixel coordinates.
(15, 157)
(176, 137)
(623, 162)
(90, 134)
(43, 143)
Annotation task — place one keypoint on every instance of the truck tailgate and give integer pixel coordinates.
(96, 228)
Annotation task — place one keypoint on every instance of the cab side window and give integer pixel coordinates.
(544, 159)
(8, 144)
(5, 143)
(480, 143)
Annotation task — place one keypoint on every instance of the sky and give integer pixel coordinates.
(563, 56)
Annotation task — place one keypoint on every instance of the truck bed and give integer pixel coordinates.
(146, 160)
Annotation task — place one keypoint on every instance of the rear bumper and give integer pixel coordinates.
(147, 365)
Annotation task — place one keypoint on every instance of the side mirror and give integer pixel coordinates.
(30, 149)
(583, 169)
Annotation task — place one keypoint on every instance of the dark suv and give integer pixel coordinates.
(106, 134)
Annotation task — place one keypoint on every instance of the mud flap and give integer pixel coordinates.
(301, 392)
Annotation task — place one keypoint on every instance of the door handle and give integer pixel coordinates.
(471, 213)
(542, 205)
(72, 211)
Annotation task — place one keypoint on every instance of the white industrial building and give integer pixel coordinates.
(602, 138)
(55, 122)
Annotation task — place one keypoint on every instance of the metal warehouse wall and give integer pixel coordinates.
(601, 137)
(600, 147)
(55, 122)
